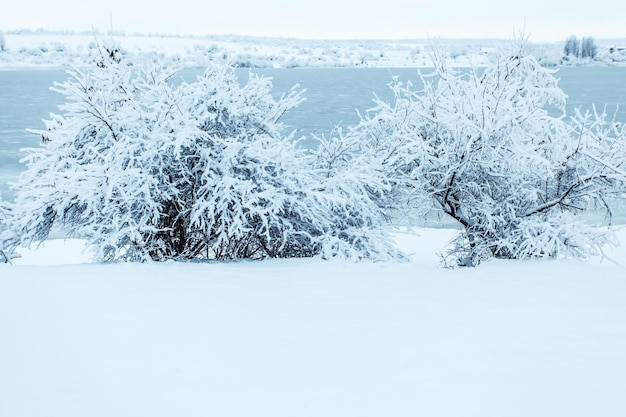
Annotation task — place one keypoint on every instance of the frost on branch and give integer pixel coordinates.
(144, 169)
(485, 147)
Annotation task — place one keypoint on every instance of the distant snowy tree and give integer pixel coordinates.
(588, 48)
(457, 52)
(144, 169)
(3, 44)
(484, 148)
(572, 46)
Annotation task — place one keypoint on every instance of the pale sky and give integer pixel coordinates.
(542, 20)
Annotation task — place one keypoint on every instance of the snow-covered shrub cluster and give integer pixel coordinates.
(485, 148)
(146, 169)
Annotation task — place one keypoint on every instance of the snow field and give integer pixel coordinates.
(307, 337)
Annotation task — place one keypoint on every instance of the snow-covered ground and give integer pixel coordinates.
(53, 50)
(308, 337)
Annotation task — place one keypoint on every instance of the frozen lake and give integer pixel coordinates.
(333, 96)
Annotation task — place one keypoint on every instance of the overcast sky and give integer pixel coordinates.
(328, 19)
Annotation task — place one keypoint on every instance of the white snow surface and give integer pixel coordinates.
(307, 337)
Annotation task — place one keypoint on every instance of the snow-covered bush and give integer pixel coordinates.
(366, 163)
(352, 176)
(144, 168)
(486, 148)
(3, 214)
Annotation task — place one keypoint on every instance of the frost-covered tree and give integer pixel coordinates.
(146, 169)
(572, 46)
(486, 148)
(588, 48)
(3, 44)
